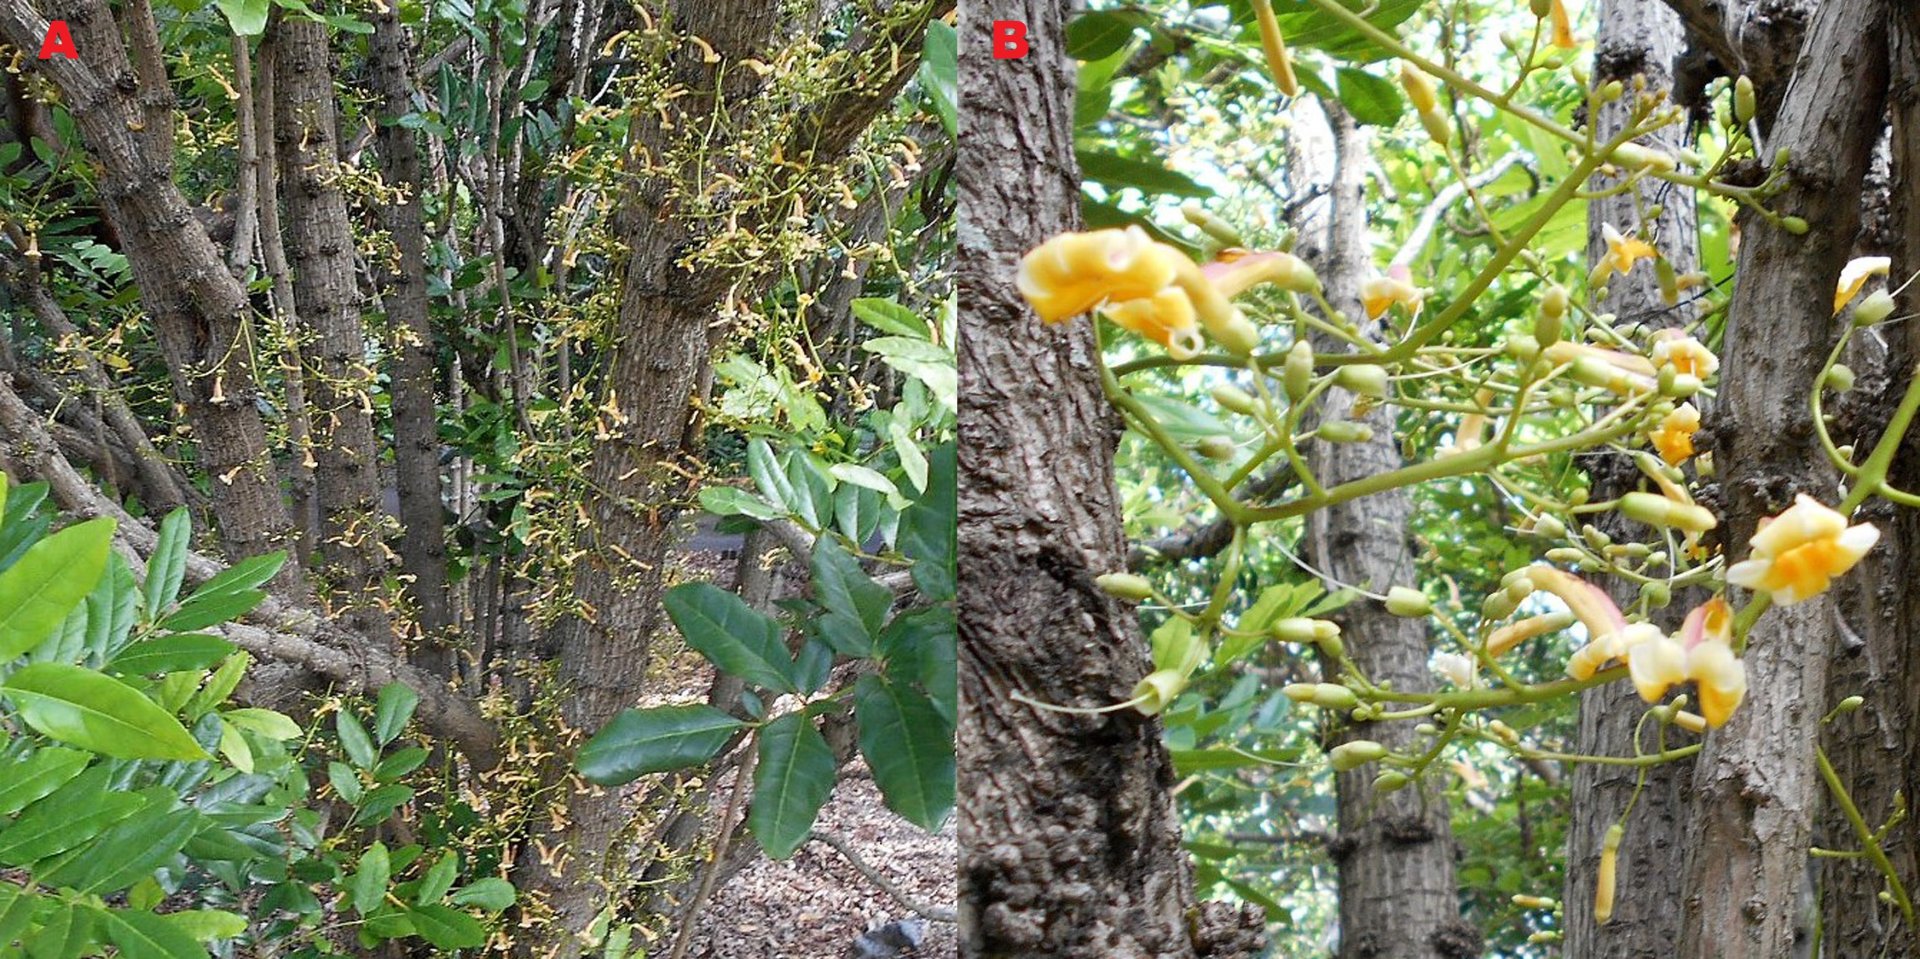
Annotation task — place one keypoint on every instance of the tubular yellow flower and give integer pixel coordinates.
(1419, 88)
(1702, 653)
(1622, 251)
(1620, 372)
(1237, 271)
(1562, 26)
(1673, 439)
(1797, 554)
(1609, 864)
(1075, 272)
(1276, 49)
(1513, 634)
(1685, 354)
(1473, 426)
(1379, 294)
(1854, 276)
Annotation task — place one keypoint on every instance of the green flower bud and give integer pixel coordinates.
(1794, 225)
(1216, 447)
(1124, 585)
(1158, 690)
(1355, 754)
(1300, 692)
(1409, 602)
(1549, 527)
(1345, 431)
(1549, 323)
(1542, 8)
(1296, 374)
(1876, 307)
(1334, 696)
(1497, 606)
(1744, 101)
(1656, 594)
(1333, 645)
(1234, 399)
(1840, 378)
(1849, 704)
(1365, 379)
(1565, 554)
(1435, 124)
(1390, 782)
(1523, 347)
(1294, 629)
(1614, 90)
(1211, 225)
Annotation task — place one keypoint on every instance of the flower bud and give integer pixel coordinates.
(1365, 379)
(1419, 89)
(1848, 705)
(1216, 447)
(1124, 585)
(1794, 225)
(1744, 101)
(1656, 594)
(1549, 527)
(1549, 323)
(1390, 782)
(1542, 8)
(1669, 281)
(1656, 510)
(1680, 386)
(1565, 554)
(1534, 902)
(1345, 431)
(1355, 754)
(1296, 374)
(1498, 606)
(1504, 731)
(1409, 602)
(1633, 156)
(1436, 127)
(1334, 696)
(1523, 347)
(1840, 378)
(1614, 90)
(1158, 690)
(1295, 629)
(1876, 307)
(1609, 866)
(1211, 225)
(1234, 399)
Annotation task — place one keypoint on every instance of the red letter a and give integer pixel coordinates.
(1009, 39)
(58, 41)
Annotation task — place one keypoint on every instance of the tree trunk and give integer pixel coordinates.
(416, 439)
(1398, 898)
(1070, 843)
(200, 313)
(1756, 791)
(1635, 38)
(337, 375)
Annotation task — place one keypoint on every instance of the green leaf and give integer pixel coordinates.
(143, 935)
(89, 709)
(642, 741)
(856, 606)
(17, 907)
(790, 784)
(112, 608)
(205, 924)
(1370, 99)
(169, 654)
(29, 780)
(889, 317)
(245, 575)
(54, 576)
(248, 17)
(71, 816)
(65, 933)
(732, 501)
(199, 612)
(912, 460)
(434, 885)
(400, 764)
(909, 747)
(939, 73)
(169, 563)
(447, 928)
(380, 802)
(132, 849)
(727, 631)
(768, 475)
(492, 894)
(266, 722)
(393, 711)
(1149, 177)
(367, 887)
(354, 739)
(927, 529)
(1099, 34)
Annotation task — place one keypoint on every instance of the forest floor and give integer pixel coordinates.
(817, 904)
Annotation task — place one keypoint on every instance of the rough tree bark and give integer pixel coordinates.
(1636, 38)
(660, 368)
(416, 439)
(1398, 897)
(1755, 787)
(1070, 845)
(334, 344)
(200, 313)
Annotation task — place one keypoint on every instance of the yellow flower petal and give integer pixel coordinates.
(1721, 679)
(1075, 272)
(1685, 354)
(1623, 251)
(1562, 26)
(1379, 294)
(1655, 666)
(1797, 554)
(1674, 437)
(1854, 276)
(1167, 318)
(1594, 608)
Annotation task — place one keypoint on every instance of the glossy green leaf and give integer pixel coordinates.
(792, 781)
(25, 781)
(247, 17)
(447, 928)
(190, 651)
(143, 935)
(1149, 177)
(367, 887)
(71, 816)
(393, 710)
(168, 566)
(856, 606)
(927, 528)
(492, 894)
(889, 317)
(733, 635)
(354, 739)
(89, 709)
(1369, 99)
(54, 576)
(939, 73)
(909, 747)
(642, 741)
(730, 501)
(438, 879)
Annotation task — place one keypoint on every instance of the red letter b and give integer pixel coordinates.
(58, 42)
(1009, 39)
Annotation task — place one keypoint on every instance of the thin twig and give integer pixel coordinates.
(930, 913)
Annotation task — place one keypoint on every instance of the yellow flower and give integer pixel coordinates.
(1167, 318)
(1620, 372)
(1075, 272)
(1562, 26)
(1797, 554)
(1622, 251)
(1674, 437)
(1854, 276)
(1236, 271)
(1701, 654)
(1513, 634)
(1379, 294)
(1685, 354)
